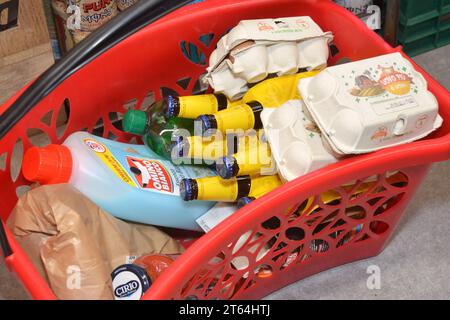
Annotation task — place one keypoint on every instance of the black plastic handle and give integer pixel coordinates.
(4, 244)
(113, 32)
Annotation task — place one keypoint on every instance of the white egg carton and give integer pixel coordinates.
(295, 140)
(256, 48)
(371, 104)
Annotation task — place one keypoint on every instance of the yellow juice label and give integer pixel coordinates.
(193, 106)
(206, 149)
(240, 117)
(264, 184)
(252, 160)
(274, 92)
(216, 189)
(103, 153)
(232, 104)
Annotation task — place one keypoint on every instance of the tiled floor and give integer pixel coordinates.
(416, 263)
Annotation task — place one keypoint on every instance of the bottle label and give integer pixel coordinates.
(109, 160)
(217, 189)
(139, 169)
(129, 282)
(193, 106)
(150, 174)
(241, 117)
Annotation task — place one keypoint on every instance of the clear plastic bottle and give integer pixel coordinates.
(157, 132)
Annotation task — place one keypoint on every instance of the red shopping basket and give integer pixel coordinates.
(288, 234)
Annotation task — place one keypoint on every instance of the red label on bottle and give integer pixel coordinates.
(150, 174)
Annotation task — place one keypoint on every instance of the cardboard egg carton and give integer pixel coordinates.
(295, 140)
(256, 48)
(371, 104)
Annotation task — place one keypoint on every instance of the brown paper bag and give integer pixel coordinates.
(75, 245)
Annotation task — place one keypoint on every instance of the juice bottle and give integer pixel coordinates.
(246, 116)
(217, 189)
(274, 92)
(195, 147)
(247, 161)
(193, 106)
(271, 93)
(242, 202)
(208, 148)
(129, 181)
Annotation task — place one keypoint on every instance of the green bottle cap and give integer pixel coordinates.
(135, 122)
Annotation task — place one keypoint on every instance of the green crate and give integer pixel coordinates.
(419, 46)
(444, 21)
(423, 25)
(443, 36)
(417, 31)
(416, 11)
(445, 6)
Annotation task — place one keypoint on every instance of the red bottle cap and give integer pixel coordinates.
(49, 165)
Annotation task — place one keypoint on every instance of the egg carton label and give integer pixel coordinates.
(372, 104)
(394, 105)
(386, 87)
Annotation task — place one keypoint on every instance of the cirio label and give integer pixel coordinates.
(127, 289)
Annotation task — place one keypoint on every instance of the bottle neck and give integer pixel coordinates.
(257, 108)
(244, 184)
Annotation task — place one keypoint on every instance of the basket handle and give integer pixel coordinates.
(113, 32)
(4, 244)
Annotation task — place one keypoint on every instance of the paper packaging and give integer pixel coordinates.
(371, 104)
(75, 245)
(125, 4)
(256, 48)
(93, 14)
(295, 140)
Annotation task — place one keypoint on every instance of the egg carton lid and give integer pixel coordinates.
(265, 32)
(300, 140)
(371, 104)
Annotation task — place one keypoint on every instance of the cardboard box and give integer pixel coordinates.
(25, 46)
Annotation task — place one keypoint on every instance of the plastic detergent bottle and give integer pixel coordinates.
(129, 181)
(157, 132)
(193, 106)
(217, 189)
